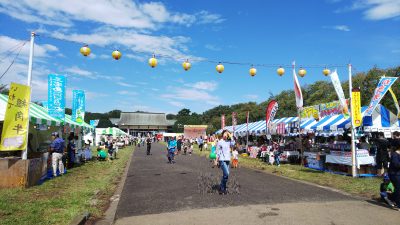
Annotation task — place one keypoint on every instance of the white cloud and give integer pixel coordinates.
(119, 13)
(175, 47)
(124, 84)
(78, 71)
(338, 27)
(130, 93)
(375, 9)
(204, 85)
(40, 51)
(176, 103)
(192, 95)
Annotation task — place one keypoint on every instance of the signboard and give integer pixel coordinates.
(280, 128)
(356, 107)
(222, 122)
(194, 131)
(383, 86)
(310, 112)
(270, 113)
(234, 121)
(78, 106)
(16, 119)
(56, 96)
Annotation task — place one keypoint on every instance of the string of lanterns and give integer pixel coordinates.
(85, 51)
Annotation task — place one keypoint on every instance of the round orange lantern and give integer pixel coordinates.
(85, 50)
(153, 61)
(280, 71)
(116, 54)
(186, 65)
(302, 72)
(220, 68)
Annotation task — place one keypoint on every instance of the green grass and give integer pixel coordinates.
(365, 187)
(83, 189)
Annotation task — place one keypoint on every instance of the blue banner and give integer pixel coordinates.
(380, 91)
(56, 96)
(94, 123)
(78, 106)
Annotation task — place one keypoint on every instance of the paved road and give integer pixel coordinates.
(156, 192)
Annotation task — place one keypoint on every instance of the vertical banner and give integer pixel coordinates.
(222, 122)
(356, 115)
(16, 119)
(94, 123)
(56, 96)
(78, 106)
(396, 103)
(297, 90)
(234, 121)
(383, 86)
(270, 113)
(339, 91)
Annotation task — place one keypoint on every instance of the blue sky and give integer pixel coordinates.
(313, 32)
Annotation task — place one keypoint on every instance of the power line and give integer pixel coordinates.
(12, 49)
(12, 63)
(266, 65)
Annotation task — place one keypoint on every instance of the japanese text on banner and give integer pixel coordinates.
(356, 107)
(16, 119)
(383, 86)
(78, 106)
(56, 96)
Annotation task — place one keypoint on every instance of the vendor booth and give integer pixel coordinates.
(24, 173)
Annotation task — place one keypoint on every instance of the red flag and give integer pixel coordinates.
(234, 121)
(222, 122)
(297, 90)
(270, 112)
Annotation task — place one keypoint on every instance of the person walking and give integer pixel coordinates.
(71, 148)
(394, 173)
(200, 142)
(148, 141)
(179, 144)
(224, 157)
(57, 148)
(171, 150)
(382, 154)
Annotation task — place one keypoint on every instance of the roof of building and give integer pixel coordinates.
(114, 120)
(143, 119)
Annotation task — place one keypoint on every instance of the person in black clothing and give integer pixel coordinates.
(394, 173)
(382, 154)
(148, 141)
(179, 145)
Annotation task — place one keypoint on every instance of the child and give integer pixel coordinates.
(101, 154)
(387, 190)
(235, 155)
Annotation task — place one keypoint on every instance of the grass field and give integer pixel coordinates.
(365, 187)
(83, 189)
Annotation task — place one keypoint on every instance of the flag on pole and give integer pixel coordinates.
(222, 122)
(270, 112)
(339, 91)
(396, 103)
(297, 89)
(383, 86)
(234, 121)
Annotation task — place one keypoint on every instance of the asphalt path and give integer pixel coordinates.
(153, 186)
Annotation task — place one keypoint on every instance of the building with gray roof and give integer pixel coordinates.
(141, 123)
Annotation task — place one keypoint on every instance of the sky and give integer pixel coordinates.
(365, 33)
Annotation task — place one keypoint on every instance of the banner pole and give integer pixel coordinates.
(353, 143)
(24, 155)
(247, 131)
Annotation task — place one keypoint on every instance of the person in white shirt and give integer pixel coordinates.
(224, 159)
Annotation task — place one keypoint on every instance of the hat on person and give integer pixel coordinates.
(54, 134)
(386, 177)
